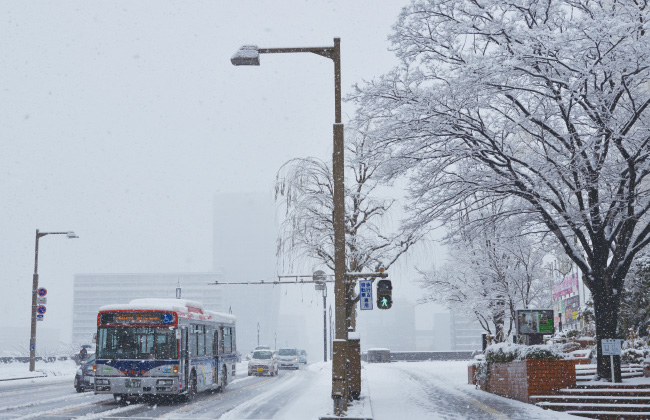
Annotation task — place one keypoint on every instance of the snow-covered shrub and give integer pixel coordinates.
(540, 352)
(635, 356)
(507, 352)
(569, 347)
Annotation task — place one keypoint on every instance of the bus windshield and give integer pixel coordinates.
(136, 343)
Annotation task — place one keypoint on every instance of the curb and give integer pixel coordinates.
(27, 377)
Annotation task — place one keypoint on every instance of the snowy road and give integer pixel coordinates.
(402, 390)
(58, 400)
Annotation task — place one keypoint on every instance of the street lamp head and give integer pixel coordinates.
(246, 55)
(71, 235)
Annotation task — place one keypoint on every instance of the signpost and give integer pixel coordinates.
(611, 347)
(365, 288)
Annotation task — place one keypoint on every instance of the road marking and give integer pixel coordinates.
(216, 397)
(496, 413)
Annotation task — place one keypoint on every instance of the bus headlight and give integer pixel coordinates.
(102, 382)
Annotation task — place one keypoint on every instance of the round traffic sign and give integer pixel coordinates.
(42, 291)
(41, 309)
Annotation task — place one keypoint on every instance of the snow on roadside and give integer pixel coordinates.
(14, 370)
(439, 390)
(300, 395)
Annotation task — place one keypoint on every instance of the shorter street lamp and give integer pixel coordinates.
(32, 338)
(330, 332)
(319, 278)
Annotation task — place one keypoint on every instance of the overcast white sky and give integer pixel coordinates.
(120, 120)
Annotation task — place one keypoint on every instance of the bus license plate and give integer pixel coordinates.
(260, 370)
(132, 383)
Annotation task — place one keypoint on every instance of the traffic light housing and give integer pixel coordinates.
(384, 294)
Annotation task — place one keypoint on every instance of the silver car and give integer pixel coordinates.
(85, 376)
(263, 362)
(288, 358)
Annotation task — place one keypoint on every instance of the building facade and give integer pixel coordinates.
(466, 333)
(94, 290)
(244, 248)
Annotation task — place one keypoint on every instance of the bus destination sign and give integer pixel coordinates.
(137, 318)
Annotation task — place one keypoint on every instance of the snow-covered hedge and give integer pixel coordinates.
(630, 355)
(507, 352)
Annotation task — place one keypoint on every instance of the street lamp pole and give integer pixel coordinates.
(325, 324)
(330, 332)
(249, 55)
(32, 337)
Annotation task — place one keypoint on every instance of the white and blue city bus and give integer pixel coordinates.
(163, 347)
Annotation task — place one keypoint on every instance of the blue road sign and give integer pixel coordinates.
(42, 291)
(41, 309)
(365, 291)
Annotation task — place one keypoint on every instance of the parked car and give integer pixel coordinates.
(85, 377)
(263, 363)
(288, 358)
(302, 356)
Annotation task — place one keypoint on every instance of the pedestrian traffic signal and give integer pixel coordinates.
(384, 294)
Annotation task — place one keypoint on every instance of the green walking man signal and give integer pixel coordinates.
(384, 294)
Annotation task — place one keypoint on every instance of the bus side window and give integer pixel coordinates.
(200, 334)
(209, 342)
(227, 341)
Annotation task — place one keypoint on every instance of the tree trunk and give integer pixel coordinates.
(606, 307)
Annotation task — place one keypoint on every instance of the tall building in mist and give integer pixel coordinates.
(244, 246)
(393, 329)
(466, 333)
(94, 290)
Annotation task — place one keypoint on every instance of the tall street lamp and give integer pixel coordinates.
(32, 338)
(250, 55)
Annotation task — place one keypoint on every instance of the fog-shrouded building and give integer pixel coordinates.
(244, 247)
(91, 291)
(244, 235)
(466, 333)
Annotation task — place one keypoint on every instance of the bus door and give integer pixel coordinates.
(185, 357)
(218, 351)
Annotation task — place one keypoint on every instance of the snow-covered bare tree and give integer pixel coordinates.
(544, 102)
(491, 272)
(305, 186)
